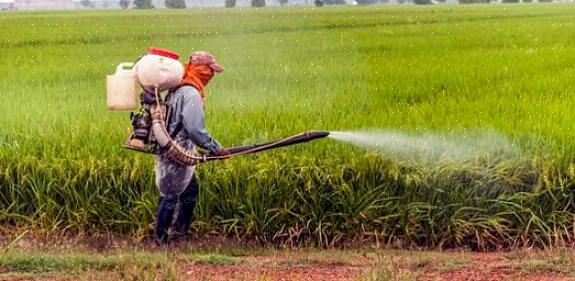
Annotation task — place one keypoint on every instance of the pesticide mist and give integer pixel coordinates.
(461, 146)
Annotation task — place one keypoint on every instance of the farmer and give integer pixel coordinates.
(185, 123)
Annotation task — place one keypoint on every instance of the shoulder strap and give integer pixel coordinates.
(177, 130)
(179, 126)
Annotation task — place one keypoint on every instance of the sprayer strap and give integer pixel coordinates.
(177, 130)
(168, 120)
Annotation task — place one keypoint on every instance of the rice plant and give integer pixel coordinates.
(411, 69)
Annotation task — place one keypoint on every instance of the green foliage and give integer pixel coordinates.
(124, 4)
(176, 4)
(230, 3)
(143, 4)
(473, 1)
(411, 69)
(368, 2)
(87, 3)
(258, 3)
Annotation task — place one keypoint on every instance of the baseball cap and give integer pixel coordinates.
(205, 58)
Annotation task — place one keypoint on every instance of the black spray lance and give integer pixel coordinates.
(158, 140)
(188, 157)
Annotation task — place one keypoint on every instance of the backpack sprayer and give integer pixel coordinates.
(158, 71)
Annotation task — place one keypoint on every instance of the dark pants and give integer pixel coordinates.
(183, 206)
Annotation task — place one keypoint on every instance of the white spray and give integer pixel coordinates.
(454, 146)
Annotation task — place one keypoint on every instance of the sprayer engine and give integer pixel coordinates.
(141, 138)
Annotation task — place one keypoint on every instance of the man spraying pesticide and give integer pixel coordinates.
(172, 126)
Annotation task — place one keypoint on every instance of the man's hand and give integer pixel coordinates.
(224, 153)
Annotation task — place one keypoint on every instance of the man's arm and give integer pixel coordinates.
(193, 123)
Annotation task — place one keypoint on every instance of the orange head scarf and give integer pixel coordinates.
(198, 76)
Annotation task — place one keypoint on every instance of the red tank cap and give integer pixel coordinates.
(163, 53)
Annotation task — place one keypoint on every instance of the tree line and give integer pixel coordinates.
(180, 4)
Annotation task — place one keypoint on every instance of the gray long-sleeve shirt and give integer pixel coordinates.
(186, 122)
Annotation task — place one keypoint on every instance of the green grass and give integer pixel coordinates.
(123, 265)
(214, 258)
(557, 260)
(127, 264)
(507, 68)
(44, 262)
(146, 264)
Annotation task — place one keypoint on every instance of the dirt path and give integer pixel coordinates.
(401, 265)
(285, 265)
(503, 266)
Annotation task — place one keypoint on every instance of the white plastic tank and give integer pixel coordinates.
(121, 88)
(159, 69)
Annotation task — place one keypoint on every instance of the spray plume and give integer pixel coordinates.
(455, 146)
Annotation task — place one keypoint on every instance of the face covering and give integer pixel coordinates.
(199, 76)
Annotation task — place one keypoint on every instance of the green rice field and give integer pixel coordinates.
(438, 69)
